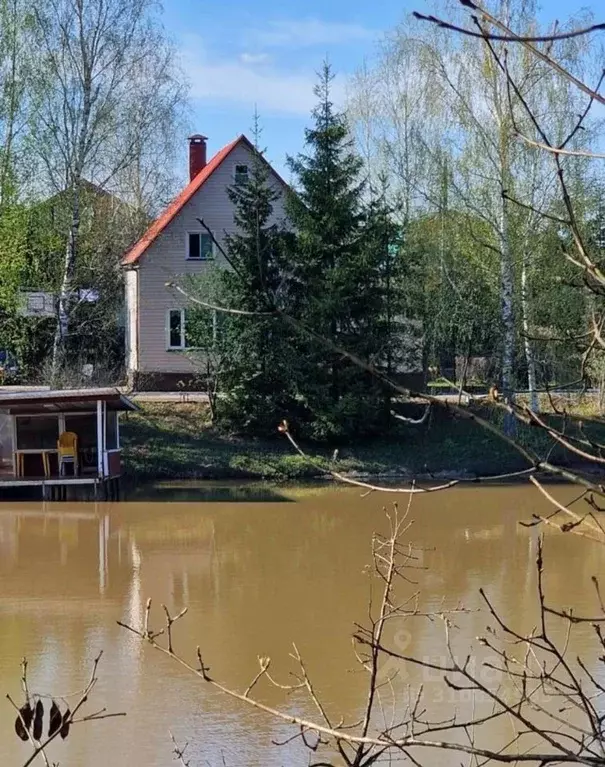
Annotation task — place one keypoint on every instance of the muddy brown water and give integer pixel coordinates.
(259, 569)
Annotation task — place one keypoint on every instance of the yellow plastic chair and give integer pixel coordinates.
(67, 449)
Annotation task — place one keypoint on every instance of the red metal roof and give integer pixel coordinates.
(180, 201)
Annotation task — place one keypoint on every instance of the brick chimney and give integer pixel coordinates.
(197, 154)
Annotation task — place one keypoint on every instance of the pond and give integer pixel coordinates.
(260, 568)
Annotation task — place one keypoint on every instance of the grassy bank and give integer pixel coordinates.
(176, 441)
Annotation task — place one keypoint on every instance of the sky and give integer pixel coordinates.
(239, 55)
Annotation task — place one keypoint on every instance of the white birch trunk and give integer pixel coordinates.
(527, 344)
(507, 313)
(65, 295)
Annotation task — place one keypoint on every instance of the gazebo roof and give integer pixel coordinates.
(61, 400)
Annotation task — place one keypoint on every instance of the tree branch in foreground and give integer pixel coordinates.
(526, 42)
(548, 38)
(29, 724)
(544, 683)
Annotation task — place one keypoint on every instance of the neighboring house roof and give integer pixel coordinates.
(158, 226)
(94, 190)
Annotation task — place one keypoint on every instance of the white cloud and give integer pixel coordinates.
(248, 82)
(254, 58)
(301, 33)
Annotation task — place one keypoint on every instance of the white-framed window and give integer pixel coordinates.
(199, 246)
(201, 333)
(241, 174)
(175, 329)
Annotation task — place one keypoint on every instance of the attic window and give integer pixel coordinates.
(199, 246)
(241, 174)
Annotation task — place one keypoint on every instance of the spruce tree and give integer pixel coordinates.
(258, 384)
(339, 280)
(398, 286)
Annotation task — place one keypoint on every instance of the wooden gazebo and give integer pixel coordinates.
(32, 422)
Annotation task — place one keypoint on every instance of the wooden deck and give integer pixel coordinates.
(57, 488)
(9, 480)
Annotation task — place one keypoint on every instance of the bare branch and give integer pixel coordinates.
(509, 38)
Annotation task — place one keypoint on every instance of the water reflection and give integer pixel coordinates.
(192, 491)
(256, 575)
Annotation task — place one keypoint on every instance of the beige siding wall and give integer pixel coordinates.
(167, 260)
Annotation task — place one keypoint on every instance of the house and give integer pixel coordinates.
(175, 246)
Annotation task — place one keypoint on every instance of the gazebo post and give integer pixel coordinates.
(100, 438)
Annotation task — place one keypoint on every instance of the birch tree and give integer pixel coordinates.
(17, 96)
(450, 104)
(393, 109)
(109, 88)
(17, 100)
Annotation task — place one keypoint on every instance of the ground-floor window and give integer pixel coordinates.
(176, 329)
(191, 328)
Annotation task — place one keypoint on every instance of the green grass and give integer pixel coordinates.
(176, 441)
